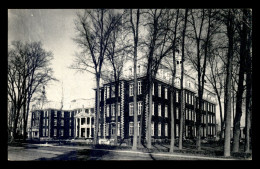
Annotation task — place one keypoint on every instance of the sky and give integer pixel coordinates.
(55, 29)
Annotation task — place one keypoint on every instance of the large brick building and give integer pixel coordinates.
(161, 112)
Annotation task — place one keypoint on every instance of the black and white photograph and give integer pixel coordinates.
(129, 84)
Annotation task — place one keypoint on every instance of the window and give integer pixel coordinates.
(108, 92)
(192, 115)
(43, 122)
(159, 129)
(152, 129)
(99, 130)
(113, 91)
(131, 90)
(113, 110)
(153, 88)
(205, 118)
(195, 119)
(55, 122)
(159, 110)
(62, 114)
(166, 93)
(186, 115)
(153, 109)
(138, 128)
(166, 111)
(62, 122)
(186, 132)
(187, 96)
(61, 132)
(118, 110)
(131, 109)
(43, 132)
(209, 118)
(47, 122)
(131, 129)
(55, 132)
(159, 90)
(55, 113)
(118, 128)
(70, 122)
(191, 99)
(107, 129)
(177, 112)
(139, 87)
(47, 132)
(195, 131)
(69, 132)
(166, 129)
(119, 89)
(139, 108)
(177, 130)
(88, 120)
(177, 96)
(108, 110)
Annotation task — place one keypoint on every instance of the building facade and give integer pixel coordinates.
(161, 107)
(161, 112)
(51, 123)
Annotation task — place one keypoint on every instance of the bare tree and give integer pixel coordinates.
(248, 87)
(135, 30)
(200, 19)
(239, 94)
(158, 46)
(94, 29)
(28, 71)
(116, 53)
(229, 22)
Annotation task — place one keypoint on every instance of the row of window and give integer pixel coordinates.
(140, 105)
(159, 133)
(83, 120)
(139, 90)
(112, 110)
(45, 132)
(113, 91)
(112, 129)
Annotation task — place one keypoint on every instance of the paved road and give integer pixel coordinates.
(80, 153)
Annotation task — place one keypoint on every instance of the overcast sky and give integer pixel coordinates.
(55, 29)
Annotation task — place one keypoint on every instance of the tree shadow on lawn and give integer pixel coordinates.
(78, 155)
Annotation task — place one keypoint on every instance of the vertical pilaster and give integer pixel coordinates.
(79, 127)
(122, 108)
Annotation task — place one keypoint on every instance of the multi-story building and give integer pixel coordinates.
(53, 123)
(161, 108)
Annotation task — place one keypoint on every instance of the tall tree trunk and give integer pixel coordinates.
(240, 91)
(98, 110)
(182, 100)
(135, 102)
(230, 33)
(172, 120)
(248, 96)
